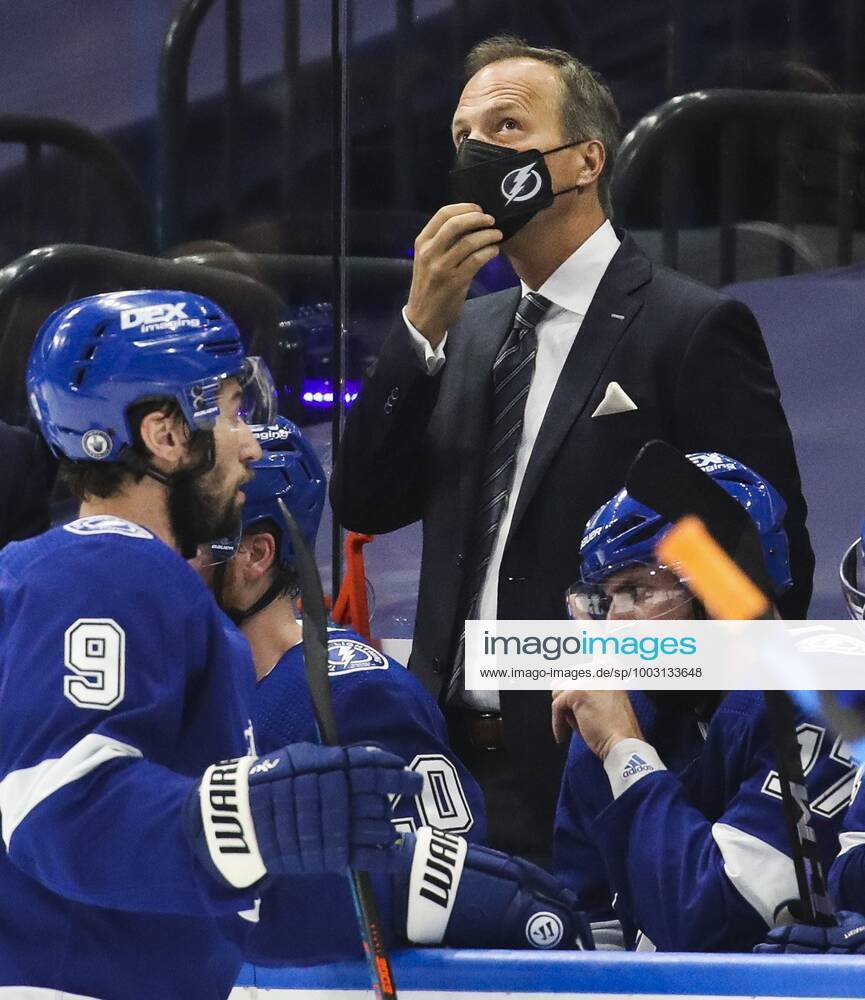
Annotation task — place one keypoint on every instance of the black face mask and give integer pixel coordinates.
(510, 185)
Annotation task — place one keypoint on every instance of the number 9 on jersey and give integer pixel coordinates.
(95, 652)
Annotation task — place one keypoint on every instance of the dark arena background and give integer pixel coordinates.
(280, 156)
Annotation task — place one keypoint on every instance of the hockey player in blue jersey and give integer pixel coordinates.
(847, 875)
(131, 863)
(670, 815)
(846, 880)
(498, 900)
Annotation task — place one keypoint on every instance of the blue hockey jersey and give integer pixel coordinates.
(694, 857)
(847, 874)
(120, 682)
(375, 700)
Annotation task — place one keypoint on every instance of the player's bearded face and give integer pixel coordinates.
(220, 491)
(207, 504)
(217, 505)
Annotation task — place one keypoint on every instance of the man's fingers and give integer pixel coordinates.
(563, 723)
(559, 727)
(475, 261)
(441, 217)
(562, 717)
(453, 231)
(564, 707)
(452, 247)
(469, 245)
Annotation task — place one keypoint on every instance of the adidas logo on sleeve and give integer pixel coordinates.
(635, 765)
(630, 761)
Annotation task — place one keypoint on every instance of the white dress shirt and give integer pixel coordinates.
(570, 289)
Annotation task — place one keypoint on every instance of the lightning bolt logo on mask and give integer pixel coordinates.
(521, 184)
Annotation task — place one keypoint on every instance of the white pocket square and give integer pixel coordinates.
(615, 400)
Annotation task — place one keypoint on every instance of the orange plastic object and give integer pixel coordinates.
(350, 607)
(713, 576)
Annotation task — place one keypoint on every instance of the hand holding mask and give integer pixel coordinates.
(449, 251)
(510, 185)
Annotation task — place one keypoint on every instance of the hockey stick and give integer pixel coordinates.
(663, 478)
(318, 681)
(726, 558)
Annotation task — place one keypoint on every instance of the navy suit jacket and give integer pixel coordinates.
(691, 358)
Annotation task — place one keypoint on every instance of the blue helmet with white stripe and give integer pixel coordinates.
(94, 358)
(624, 532)
(289, 470)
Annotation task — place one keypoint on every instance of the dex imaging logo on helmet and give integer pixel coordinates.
(170, 316)
(521, 184)
(712, 461)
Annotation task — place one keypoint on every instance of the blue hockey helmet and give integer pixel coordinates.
(624, 532)
(289, 470)
(94, 358)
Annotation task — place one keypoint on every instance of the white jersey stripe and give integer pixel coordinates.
(762, 874)
(21, 791)
(849, 840)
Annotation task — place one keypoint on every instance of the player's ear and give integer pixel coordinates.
(262, 555)
(165, 436)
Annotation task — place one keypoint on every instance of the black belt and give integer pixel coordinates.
(481, 730)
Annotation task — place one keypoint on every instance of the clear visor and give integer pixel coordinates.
(851, 573)
(258, 400)
(641, 591)
(258, 405)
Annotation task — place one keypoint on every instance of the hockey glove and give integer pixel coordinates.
(466, 896)
(302, 810)
(848, 938)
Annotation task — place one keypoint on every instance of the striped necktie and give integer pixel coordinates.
(512, 376)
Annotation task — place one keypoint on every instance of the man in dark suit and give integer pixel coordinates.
(503, 429)
(25, 476)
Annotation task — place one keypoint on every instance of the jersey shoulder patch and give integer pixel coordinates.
(106, 524)
(346, 655)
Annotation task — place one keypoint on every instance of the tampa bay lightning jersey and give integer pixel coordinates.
(847, 874)
(120, 682)
(375, 701)
(695, 857)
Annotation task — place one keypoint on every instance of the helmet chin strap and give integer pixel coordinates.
(239, 615)
(182, 518)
